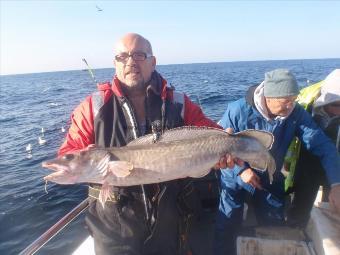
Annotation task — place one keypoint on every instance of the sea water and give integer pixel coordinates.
(32, 102)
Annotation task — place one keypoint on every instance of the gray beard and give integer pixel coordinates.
(135, 83)
(134, 89)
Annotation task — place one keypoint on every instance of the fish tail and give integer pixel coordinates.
(271, 168)
(265, 163)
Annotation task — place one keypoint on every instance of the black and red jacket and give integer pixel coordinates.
(106, 117)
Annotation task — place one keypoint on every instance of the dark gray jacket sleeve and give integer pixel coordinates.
(316, 141)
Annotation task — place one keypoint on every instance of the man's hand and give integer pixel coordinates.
(249, 177)
(227, 161)
(334, 198)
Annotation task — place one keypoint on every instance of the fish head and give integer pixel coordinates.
(82, 166)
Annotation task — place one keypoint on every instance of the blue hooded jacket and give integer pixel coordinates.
(242, 114)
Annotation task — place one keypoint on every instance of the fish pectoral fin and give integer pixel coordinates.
(104, 193)
(120, 168)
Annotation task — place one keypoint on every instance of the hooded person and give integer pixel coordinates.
(309, 173)
(271, 107)
(326, 108)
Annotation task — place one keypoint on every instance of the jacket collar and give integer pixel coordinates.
(250, 95)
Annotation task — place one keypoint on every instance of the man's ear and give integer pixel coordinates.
(154, 62)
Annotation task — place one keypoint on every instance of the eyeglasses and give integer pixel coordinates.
(284, 100)
(136, 56)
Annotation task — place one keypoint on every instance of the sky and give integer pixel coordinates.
(42, 36)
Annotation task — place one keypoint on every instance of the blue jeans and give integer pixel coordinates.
(268, 207)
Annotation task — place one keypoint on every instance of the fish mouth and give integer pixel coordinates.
(62, 174)
(60, 177)
(55, 167)
(55, 175)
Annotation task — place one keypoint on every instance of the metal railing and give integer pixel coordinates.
(55, 229)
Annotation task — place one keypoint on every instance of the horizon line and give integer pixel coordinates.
(191, 63)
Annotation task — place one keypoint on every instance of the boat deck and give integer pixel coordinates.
(321, 237)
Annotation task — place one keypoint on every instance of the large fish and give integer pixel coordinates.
(178, 153)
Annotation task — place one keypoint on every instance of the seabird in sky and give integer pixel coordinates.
(99, 9)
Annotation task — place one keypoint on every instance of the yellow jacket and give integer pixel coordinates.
(306, 98)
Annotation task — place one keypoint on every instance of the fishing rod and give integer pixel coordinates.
(90, 71)
(199, 101)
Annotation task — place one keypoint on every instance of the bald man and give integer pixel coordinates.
(138, 219)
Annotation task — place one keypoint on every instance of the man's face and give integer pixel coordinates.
(133, 62)
(280, 106)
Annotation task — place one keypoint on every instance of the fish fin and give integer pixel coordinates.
(271, 167)
(176, 134)
(104, 193)
(264, 137)
(263, 165)
(143, 140)
(120, 168)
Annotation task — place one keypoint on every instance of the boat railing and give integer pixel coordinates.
(56, 228)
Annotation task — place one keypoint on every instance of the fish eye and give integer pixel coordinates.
(68, 157)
